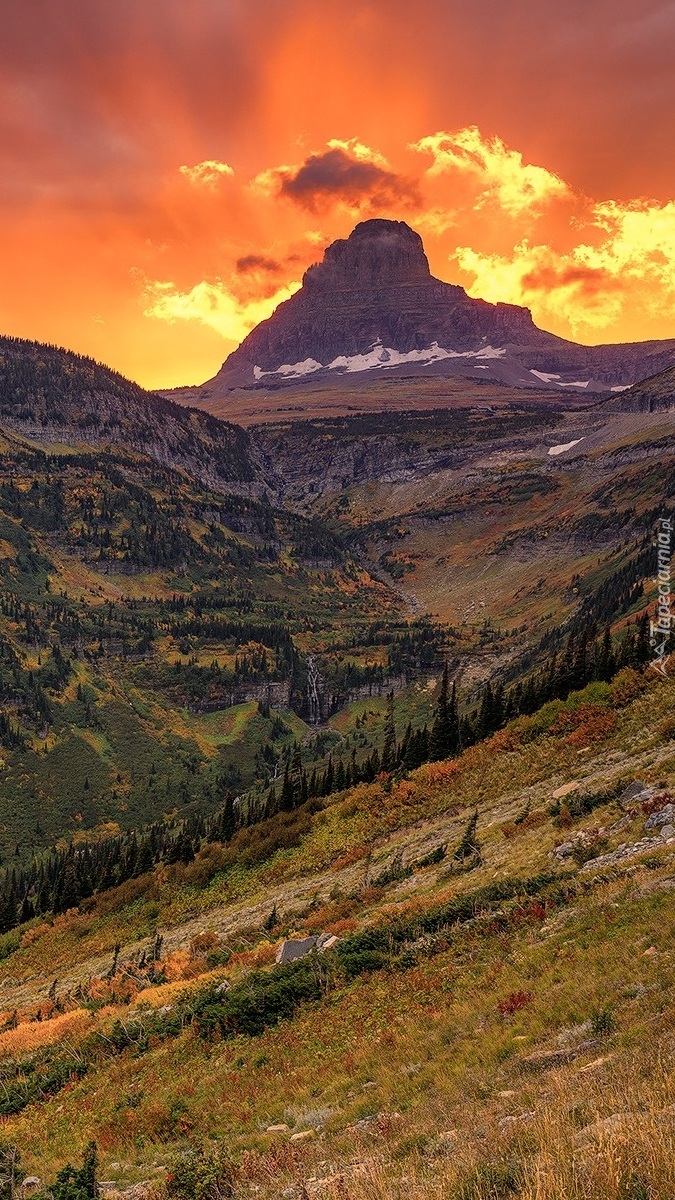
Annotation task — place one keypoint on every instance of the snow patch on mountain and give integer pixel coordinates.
(291, 370)
(555, 450)
(377, 358)
(545, 376)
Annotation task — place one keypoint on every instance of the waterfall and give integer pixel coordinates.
(313, 701)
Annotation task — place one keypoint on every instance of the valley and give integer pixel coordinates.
(374, 673)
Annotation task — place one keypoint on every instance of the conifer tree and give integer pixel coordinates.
(469, 846)
(389, 755)
(444, 736)
(287, 794)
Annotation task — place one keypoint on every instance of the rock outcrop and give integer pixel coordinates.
(656, 394)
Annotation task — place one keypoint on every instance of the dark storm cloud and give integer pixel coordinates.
(335, 175)
(257, 262)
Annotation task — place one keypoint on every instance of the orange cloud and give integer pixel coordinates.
(500, 174)
(628, 267)
(214, 305)
(209, 173)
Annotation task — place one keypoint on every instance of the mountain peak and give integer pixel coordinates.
(372, 305)
(377, 254)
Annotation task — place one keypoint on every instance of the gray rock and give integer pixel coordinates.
(507, 1123)
(665, 817)
(635, 793)
(296, 948)
(545, 1060)
(667, 831)
(622, 855)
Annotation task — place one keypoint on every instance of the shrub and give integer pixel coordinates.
(493, 1181)
(514, 1003)
(603, 1022)
(259, 1001)
(626, 686)
(433, 857)
(74, 1183)
(199, 1174)
(393, 873)
(666, 729)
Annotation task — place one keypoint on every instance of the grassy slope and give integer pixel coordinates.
(498, 533)
(455, 1098)
(120, 741)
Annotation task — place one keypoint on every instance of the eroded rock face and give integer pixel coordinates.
(656, 394)
(372, 304)
(378, 253)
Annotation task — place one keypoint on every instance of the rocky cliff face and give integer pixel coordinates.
(656, 394)
(372, 304)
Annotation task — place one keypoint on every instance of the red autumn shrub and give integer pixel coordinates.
(514, 1003)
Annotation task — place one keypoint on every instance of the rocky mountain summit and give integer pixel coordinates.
(372, 305)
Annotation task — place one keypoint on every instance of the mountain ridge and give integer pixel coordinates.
(372, 305)
(49, 393)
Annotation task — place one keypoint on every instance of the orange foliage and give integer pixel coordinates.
(340, 928)
(595, 728)
(588, 723)
(259, 956)
(203, 943)
(626, 686)
(335, 912)
(31, 1035)
(440, 773)
(354, 855)
(34, 934)
(504, 741)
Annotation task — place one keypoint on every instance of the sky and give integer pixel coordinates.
(170, 168)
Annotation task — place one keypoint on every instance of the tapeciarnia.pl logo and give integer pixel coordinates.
(660, 629)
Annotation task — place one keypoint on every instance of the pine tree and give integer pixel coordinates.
(272, 920)
(469, 846)
(389, 755)
(287, 793)
(444, 736)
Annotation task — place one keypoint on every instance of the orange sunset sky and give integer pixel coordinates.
(169, 168)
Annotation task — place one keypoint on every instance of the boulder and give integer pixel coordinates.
(636, 793)
(295, 948)
(666, 816)
(506, 1124)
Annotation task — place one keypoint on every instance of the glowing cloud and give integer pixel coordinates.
(359, 151)
(550, 283)
(214, 305)
(208, 173)
(499, 172)
(632, 262)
